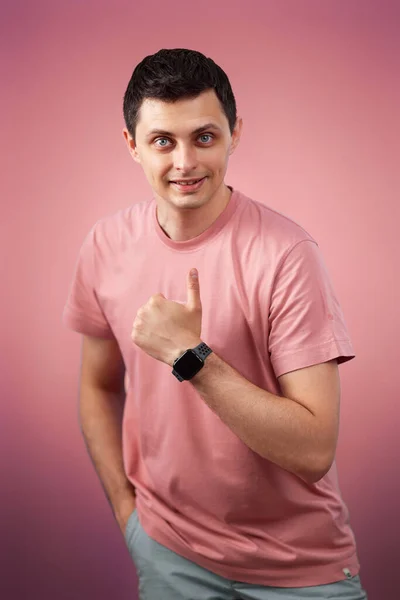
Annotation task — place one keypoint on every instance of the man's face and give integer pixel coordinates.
(183, 148)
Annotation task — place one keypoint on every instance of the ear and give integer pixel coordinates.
(236, 133)
(130, 142)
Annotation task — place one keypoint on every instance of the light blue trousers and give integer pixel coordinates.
(164, 575)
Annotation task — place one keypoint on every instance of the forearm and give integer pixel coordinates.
(101, 423)
(277, 428)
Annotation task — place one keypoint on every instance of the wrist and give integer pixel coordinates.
(191, 361)
(124, 507)
(181, 347)
(123, 498)
(209, 363)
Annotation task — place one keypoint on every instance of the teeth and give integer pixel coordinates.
(187, 182)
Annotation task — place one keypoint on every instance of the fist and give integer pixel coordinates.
(164, 329)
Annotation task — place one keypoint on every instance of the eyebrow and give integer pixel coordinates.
(206, 127)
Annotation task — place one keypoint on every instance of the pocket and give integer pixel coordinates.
(131, 525)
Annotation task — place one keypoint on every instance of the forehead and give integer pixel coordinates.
(183, 116)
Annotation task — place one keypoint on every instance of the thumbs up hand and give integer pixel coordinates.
(164, 329)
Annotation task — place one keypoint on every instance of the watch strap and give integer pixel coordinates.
(202, 350)
(179, 378)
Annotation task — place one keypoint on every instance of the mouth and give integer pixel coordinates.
(188, 185)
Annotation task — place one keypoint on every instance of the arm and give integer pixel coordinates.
(101, 403)
(297, 431)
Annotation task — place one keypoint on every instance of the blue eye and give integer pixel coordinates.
(204, 138)
(161, 140)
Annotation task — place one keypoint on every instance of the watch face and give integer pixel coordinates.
(188, 365)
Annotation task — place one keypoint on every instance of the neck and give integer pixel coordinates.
(181, 224)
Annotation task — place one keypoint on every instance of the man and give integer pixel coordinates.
(210, 325)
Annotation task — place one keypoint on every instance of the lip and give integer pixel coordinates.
(188, 188)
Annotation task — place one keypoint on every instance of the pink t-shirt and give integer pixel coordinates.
(268, 308)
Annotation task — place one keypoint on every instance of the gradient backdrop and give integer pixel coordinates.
(317, 84)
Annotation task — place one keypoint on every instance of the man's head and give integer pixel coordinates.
(181, 124)
(171, 75)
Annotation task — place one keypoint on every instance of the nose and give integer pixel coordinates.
(185, 159)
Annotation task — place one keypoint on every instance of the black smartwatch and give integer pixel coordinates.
(190, 362)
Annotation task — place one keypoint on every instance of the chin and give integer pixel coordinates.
(188, 202)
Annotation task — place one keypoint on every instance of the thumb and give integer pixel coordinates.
(193, 290)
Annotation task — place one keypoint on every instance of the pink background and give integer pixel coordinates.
(317, 84)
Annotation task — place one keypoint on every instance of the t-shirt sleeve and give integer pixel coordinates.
(306, 323)
(83, 312)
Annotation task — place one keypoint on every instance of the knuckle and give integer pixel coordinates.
(137, 324)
